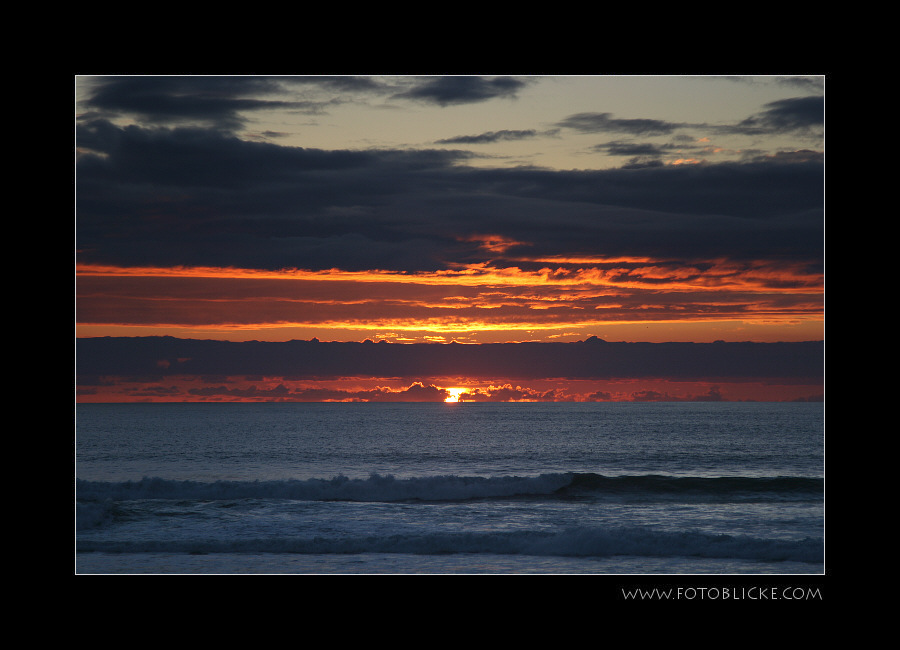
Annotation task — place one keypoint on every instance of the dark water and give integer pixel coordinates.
(623, 488)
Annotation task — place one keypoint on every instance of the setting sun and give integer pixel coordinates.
(454, 393)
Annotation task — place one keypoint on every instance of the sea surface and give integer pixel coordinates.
(686, 488)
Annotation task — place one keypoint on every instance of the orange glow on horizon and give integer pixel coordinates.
(563, 294)
(379, 390)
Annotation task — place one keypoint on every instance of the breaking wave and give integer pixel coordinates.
(387, 488)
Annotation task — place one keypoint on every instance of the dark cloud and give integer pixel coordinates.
(645, 154)
(490, 137)
(605, 122)
(799, 114)
(217, 101)
(637, 148)
(225, 102)
(796, 115)
(591, 359)
(195, 196)
(340, 83)
(714, 394)
(446, 91)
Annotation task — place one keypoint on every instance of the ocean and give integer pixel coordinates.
(673, 488)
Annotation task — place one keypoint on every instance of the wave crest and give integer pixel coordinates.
(387, 488)
(340, 488)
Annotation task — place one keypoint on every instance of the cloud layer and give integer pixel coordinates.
(186, 218)
(188, 196)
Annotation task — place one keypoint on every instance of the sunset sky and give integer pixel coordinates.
(439, 209)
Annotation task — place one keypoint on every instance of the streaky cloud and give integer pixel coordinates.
(490, 136)
(786, 115)
(605, 122)
(218, 101)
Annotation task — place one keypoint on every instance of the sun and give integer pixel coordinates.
(453, 394)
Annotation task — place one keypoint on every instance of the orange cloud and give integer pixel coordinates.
(494, 243)
(536, 294)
